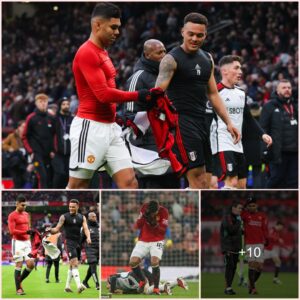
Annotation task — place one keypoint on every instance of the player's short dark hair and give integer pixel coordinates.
(106, 10)
(195, 18)
(153, 206)
(250, 199)
(74, 201)
(228, 59)
(20, 198)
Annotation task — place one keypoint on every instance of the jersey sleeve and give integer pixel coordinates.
(141, 220)
(163, 222)
(97, 82)
(250, 123)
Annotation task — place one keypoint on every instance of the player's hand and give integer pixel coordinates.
(267, 139)
(30, 232)
(236, 135)
(149, 97)
(88, 240)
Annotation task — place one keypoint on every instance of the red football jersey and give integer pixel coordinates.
(274, 238)
(255, 227)
(95, 83)
(150, 233)
(18, 224)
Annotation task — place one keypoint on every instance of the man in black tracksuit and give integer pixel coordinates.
(279, 118)
(144, 77)
(92, 250)
(231, 243)
(60, 162)
(38, 139)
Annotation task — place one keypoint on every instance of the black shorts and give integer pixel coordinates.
(92, 255)
(229, 163)
(195, 139)
(73, 249)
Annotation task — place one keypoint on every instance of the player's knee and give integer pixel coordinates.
(154, 261)
(134, 262)
(129, 183)
(30, 263)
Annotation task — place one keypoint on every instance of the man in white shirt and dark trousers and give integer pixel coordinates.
(228, 158)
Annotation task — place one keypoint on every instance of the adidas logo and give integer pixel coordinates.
(198, 69)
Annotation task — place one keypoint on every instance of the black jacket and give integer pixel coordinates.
(231, 233)
(39, 133)
(62, 143)
(94, 233)
(281, 126)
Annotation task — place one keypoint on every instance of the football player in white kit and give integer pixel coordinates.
(228, 158)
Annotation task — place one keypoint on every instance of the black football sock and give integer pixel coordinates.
(156, 275)
(276, 271)
(138, 272)
(94, 274)
(251, 275)
(49, 265)
(56, 270)
(257, 274)
(18, 278)
(25, 273)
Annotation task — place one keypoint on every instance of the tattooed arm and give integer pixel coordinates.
(167, 68)
(59, 225)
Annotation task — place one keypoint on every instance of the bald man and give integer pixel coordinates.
(151, 171)
(92, 250)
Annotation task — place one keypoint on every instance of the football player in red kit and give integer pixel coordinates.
(152, 223)
(96, 140)
(19, 228)
(255, 237)
(272, 251)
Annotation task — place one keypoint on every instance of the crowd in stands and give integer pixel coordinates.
(278, 206)
(121, 210)
(37, 51)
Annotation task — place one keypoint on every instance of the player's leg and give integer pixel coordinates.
(87, 277)
(56, 269)
(68, 281)
(125, 179)
(230, 268)
(242, 183)
(242, 171)
(75, 274)
(94, 274)
(78, 183)
(277, 263)
(230, 182)
(156, 252)
(29, 261)
(17, 276)
(48, 269)
(197, 178)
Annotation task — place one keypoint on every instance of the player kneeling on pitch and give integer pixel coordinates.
(128, 283)
(152, 223)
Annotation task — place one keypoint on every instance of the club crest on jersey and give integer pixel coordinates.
(193, 155)
(229, 167)
(198, 70)
(91, 159)
(74, 221)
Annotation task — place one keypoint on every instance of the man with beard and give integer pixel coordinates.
(92, 250)
(279, 118)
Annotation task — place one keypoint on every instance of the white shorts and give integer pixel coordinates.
(94, 145)
(20, 250)
(255, 253)
(142, 249)
(275, 252)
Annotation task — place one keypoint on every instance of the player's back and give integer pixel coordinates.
(89, 64)
(18, 221)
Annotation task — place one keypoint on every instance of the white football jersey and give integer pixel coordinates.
(220, 139)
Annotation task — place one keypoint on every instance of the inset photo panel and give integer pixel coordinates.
(150, 244)
(249, 244)
(50, 244)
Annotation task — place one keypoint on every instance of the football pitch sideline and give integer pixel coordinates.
(36, 287)
(213, 286)
(192, 292)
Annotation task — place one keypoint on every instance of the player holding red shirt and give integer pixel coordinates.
(95, 137)
(19, 228)
(152, 223)
(256, 236)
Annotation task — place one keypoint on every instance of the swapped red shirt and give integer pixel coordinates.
(18, 224)
(150, 233)
(255, 227)
(274, 239)
(95, 83)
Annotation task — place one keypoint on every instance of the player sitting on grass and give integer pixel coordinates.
(128, 283)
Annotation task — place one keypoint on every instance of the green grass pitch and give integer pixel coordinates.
(192, 292)
(212, 286)
(36, 287)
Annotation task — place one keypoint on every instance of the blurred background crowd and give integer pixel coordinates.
(39, 41)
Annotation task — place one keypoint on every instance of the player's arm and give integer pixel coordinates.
(140, 221)
(163, 223)
(219, 107)
(97, 81)
(86, 231)
(167, 68)
(59, 225)
(250, 122)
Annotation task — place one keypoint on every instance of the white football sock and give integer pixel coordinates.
(69, 279)
(76, 276)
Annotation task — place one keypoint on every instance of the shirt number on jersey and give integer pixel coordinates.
(160, 246)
